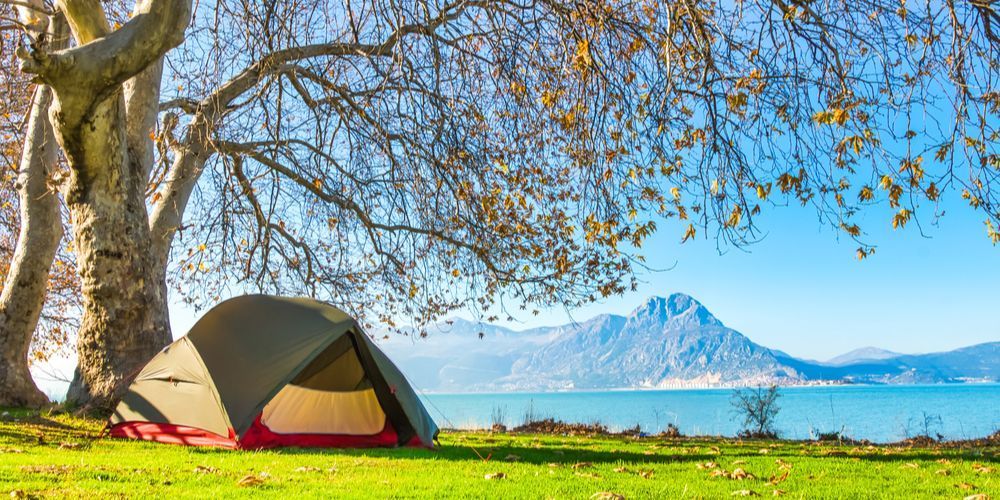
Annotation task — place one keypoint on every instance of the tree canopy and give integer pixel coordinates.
(404, 159)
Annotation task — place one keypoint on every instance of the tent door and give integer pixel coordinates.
(332, 395)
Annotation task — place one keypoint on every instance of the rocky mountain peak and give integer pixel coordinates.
(678, 309)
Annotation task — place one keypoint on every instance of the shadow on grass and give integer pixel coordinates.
(541, 449)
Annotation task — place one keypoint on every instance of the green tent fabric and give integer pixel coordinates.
(257, 361)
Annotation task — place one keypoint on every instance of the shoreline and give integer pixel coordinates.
(703, 388)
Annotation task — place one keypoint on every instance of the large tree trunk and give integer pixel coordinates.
(41, 230)
(125, 319)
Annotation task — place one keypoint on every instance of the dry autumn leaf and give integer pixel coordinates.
(205, 469)
(250, 480)
(778, 479)
(607, 495)
(745, 493)
(583, 465)
(982, 469)
(495, 476)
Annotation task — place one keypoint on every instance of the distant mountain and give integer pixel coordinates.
(667, 342)
(862, 354)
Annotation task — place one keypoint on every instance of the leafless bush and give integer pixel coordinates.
(758, 407)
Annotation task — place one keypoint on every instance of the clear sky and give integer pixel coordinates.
(803, 291)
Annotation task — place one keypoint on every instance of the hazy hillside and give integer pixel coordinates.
(862, 354)
(667, 342)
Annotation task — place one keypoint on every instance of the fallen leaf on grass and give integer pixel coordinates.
(495, 476)
(977, 496)
(943, 472)
(778, 493)
(69, 446)
(965, 486)
(778, 479)
(250, 481)
(706, 465)
(715, 450)
(783, 464)
(911, 465)
(583, 465)
(554, 465)
(205, 469)
(18, 494)
(739, 462)
(589, 475)
(737, 474)
(11, 450)
(646, 474)
(624, 470)
(764, 451)
(943, 461)
(47, 469)
(607, 495)
(307, 468)
(745, 493)
(982, 469)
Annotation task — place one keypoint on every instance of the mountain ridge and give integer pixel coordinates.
(666, 342)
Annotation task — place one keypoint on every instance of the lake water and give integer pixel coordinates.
(876, 413)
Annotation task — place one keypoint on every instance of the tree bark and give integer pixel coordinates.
(125, 320)
(40, 232)
(189, 162)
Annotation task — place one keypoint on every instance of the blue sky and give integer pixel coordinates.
(803, 291)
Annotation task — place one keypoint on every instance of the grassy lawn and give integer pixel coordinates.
(58, 456)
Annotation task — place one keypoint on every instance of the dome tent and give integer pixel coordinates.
(259, 372)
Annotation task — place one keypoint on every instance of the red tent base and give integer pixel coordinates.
(258, 437)
(172, 434)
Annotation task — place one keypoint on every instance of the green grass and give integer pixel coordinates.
(59, 456)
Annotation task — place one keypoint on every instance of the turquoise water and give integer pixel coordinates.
(876, 413)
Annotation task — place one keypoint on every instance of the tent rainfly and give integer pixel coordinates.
(262, 372)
